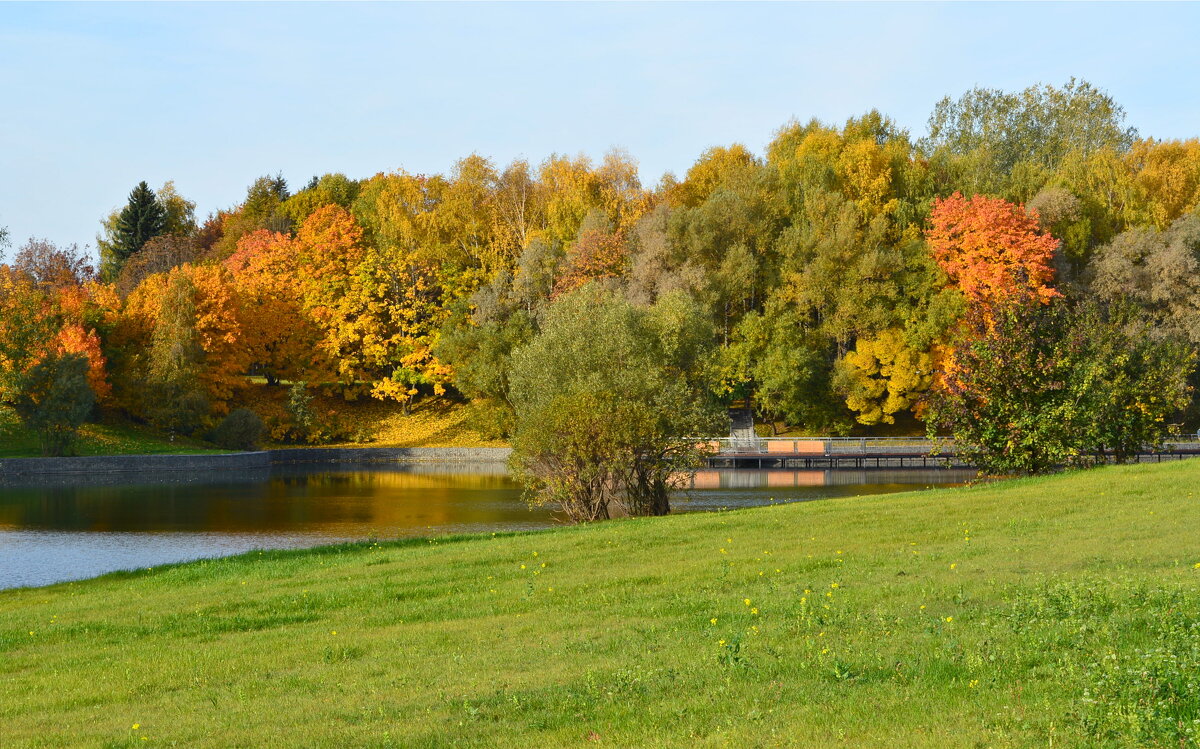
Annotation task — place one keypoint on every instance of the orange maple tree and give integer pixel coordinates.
(992, 249)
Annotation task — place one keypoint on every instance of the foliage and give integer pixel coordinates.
(142, 219)
(53, 399)
(241, 429)
(161, 254)
(173, 400)
(605, 397)
(833, 268)
(1159, 271)
(50, 266)
(1031, 387)
(883, 376)
(992, 250)
(1009, 143)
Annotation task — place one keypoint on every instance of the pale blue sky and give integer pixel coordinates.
(99, 96)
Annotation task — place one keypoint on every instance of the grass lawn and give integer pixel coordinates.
(1061, 611)
(95, 439)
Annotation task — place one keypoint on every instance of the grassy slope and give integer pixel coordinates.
(972, 617)
(433, 423)
(94, 439)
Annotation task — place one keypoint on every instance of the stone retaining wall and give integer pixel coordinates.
(135, 463)
(391, 455)
(102, 464)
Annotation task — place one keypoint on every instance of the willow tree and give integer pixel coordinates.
(606, 398)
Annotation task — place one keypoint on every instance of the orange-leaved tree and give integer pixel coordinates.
(992, 249)
(280, 337)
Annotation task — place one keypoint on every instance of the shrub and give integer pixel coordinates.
(54, 399)
(240, 430)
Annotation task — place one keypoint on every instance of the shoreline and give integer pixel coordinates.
(240, 461)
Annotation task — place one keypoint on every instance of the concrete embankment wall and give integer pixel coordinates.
(391, 455)
(264, 459)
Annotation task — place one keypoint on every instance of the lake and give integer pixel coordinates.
(59, 529)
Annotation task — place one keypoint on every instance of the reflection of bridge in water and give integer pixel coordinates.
(872, 453)
(786, 478)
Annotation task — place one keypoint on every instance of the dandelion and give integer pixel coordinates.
(723, 551)
(746, 601)
(522, 566)
(137, 726)
(754, 612)
(953, 565)
(713, 620)
(949, 619)
(973, 683)
(835, 586)
(721, 643)
(535, 553)
(333, 631)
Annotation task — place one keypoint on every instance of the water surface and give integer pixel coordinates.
(54, 529)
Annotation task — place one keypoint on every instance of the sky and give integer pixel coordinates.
(96, 97)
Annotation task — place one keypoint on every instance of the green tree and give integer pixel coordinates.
(1030, 387)
(142, 219)
(179, 213)
(1009, 144)
(173, 397)
(54, 399)
(606, 397)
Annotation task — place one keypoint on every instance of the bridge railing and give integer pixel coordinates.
(869, 445)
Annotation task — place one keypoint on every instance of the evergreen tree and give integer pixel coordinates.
(142, 219)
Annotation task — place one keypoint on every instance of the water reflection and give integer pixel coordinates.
(63, 528)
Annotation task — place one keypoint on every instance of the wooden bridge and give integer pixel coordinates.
(872, 452)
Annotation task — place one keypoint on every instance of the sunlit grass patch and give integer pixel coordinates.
(1060, 610)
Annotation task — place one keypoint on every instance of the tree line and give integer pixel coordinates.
(1023, 275)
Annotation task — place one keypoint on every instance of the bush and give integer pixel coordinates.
(240, 430)
(55, 399)
(606, 398)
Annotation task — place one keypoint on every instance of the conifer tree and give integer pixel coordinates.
(142, 219)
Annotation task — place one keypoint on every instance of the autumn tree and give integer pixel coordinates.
(159, 255)
(27, 323)
(991, 249)
(53, 267)
(279, 335)
(174, 399)
(1029, 387)
(883, 376)
(179, 213)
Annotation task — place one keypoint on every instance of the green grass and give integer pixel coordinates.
(110, 438)
(1061, 611)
